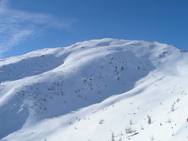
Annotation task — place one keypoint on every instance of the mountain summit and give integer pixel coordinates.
(97, 90)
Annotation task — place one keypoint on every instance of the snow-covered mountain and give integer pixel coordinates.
(97, 90)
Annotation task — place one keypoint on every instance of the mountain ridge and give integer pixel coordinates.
(58, 84)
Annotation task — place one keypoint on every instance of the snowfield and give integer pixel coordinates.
(97, 90)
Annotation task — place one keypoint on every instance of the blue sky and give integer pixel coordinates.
(27, 25)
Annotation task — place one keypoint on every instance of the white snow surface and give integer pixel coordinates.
(97, 90)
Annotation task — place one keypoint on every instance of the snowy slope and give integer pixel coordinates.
(98, 90)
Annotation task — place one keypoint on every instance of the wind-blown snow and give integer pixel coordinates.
(97, 90)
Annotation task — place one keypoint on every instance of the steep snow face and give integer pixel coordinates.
(120, 89)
